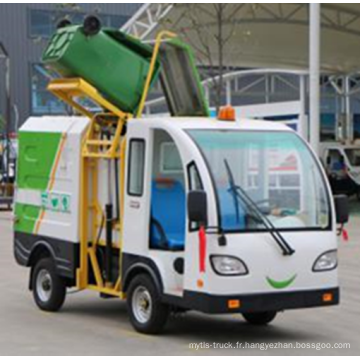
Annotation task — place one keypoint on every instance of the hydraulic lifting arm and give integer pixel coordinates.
(109, 123)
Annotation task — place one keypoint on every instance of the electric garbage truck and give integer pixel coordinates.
(172, 213)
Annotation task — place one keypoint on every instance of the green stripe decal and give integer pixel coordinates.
(37, 154)
(280, 284)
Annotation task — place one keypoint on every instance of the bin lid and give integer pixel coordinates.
(181, 81)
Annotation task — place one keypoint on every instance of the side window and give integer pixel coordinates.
(194, 184)
(170, 159)
(136, 167)
(194, 177)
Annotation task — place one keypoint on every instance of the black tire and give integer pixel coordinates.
(260, 318)
(151, 317)
(49, 289)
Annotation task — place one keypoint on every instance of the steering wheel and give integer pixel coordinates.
(163, 239)
(265, 209)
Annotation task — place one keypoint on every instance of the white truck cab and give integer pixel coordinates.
(281, 178)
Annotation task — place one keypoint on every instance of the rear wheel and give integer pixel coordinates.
(49, 289)
(260, 318)
(147, 313)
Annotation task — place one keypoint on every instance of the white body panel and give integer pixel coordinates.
(263, 259)
(55, 224)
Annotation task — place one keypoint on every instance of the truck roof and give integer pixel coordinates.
(211, 123)
(77, 123)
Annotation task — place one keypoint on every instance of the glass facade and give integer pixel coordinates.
(42, 101)
(328, 127)
(42, 23)
(356, 127)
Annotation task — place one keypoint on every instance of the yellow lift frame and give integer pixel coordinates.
(94, 149)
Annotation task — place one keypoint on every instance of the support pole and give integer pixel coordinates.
(8, 121)
(303, 123)
(349, 125)
(228, 93)
(314, 75)
(207, 94)
(5, 55)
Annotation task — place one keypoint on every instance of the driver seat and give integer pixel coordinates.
(168, 215)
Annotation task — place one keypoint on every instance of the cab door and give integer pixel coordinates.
(167, 210)
(135, 191)
(173, 240)
(161, 169)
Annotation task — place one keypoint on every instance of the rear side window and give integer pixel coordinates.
(136, 167)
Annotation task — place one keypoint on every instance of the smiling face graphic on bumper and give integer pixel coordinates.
(282, 284)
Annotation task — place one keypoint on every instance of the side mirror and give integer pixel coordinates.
(341, 209)
(197, 206)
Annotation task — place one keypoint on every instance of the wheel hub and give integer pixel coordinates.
(142, 304)
(44, 285)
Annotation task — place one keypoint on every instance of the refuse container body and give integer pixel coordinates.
(114, 63)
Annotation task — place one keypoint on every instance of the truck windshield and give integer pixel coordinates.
(276, 171)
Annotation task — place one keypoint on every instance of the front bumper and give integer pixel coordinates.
(219, 304)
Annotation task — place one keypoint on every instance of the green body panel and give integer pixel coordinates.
(37, 152)
(26, 217)
(114, 63)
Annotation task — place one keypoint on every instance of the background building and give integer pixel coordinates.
(24, 31)
(271, 57)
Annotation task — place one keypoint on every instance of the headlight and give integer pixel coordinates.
(228, 265)
(326, 261)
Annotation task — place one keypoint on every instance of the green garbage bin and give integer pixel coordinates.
(113, 62)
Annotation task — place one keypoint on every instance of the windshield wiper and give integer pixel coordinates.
(238, 191)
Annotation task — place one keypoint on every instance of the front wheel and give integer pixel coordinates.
(147, 313)
(49, 289)
(260, 318)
